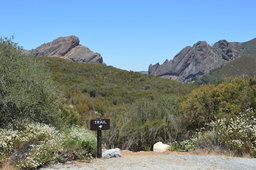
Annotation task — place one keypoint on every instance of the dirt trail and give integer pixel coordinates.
(162, 161)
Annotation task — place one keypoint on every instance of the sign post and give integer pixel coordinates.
(99, 142)
(99, 125)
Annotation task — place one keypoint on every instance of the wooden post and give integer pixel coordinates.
(99, 125)
(99, 142)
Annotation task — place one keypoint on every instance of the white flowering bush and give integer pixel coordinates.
(33, 145)
(237, 134)
(8, 138)
(11, 139)
(40, 154)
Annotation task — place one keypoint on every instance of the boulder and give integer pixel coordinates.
(111, 153)
(160, 147)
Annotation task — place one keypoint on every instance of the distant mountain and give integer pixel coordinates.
(201, 58)
(68, 48)
(244, 66)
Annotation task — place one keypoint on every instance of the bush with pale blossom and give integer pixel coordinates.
(33, 145)
(237, 134)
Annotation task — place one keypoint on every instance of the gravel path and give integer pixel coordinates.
(162, 161)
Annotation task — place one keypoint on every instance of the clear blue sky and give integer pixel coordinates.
(130, 34)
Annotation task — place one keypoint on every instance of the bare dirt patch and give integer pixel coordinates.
(164, 161)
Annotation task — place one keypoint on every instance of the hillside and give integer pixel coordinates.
(249, 46)
(202, 58)
(109, 83)
(244, 67)
(97, 88)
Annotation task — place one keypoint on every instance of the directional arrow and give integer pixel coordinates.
(100, 126)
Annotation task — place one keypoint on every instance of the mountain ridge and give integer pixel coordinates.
(194, 61)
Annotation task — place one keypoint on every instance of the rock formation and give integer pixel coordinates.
(67, 48)
(201, 58)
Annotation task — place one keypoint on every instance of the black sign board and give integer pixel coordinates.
(100, 124)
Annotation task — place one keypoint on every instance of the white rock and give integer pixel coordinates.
(111, 153)
(160, 147)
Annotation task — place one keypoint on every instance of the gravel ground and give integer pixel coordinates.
(162, 161)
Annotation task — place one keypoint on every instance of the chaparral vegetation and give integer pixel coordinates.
(46, 104)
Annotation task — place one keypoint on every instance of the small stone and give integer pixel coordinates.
(111, 153)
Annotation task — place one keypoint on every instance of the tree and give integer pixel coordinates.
(26, 88)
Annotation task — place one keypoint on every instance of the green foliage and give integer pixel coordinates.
(100, 81)
(206, 79)
(185, 145)
(243, 66)
(208, 103)
(79, 142)
(95, 90)
(33, 144)
(28, 94)
(145, 123)
(249, 47)
(26, 90)
(220, 114)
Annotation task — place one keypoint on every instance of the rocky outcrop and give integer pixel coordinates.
(195, 61)
(84, 54)
(67, 48)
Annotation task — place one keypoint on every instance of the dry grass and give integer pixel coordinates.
(6, 166)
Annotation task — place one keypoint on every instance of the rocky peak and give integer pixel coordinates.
(222, 44)
(197, 60)
(200, 44)
(69, 48)
(228, 50)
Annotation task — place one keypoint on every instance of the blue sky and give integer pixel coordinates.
(130, 34)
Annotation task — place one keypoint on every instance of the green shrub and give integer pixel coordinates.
(145, 123)
(80, 143)
(211, 102)
(26, 88)
(185, 145)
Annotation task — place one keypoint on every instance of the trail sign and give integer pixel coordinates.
(99, 125)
